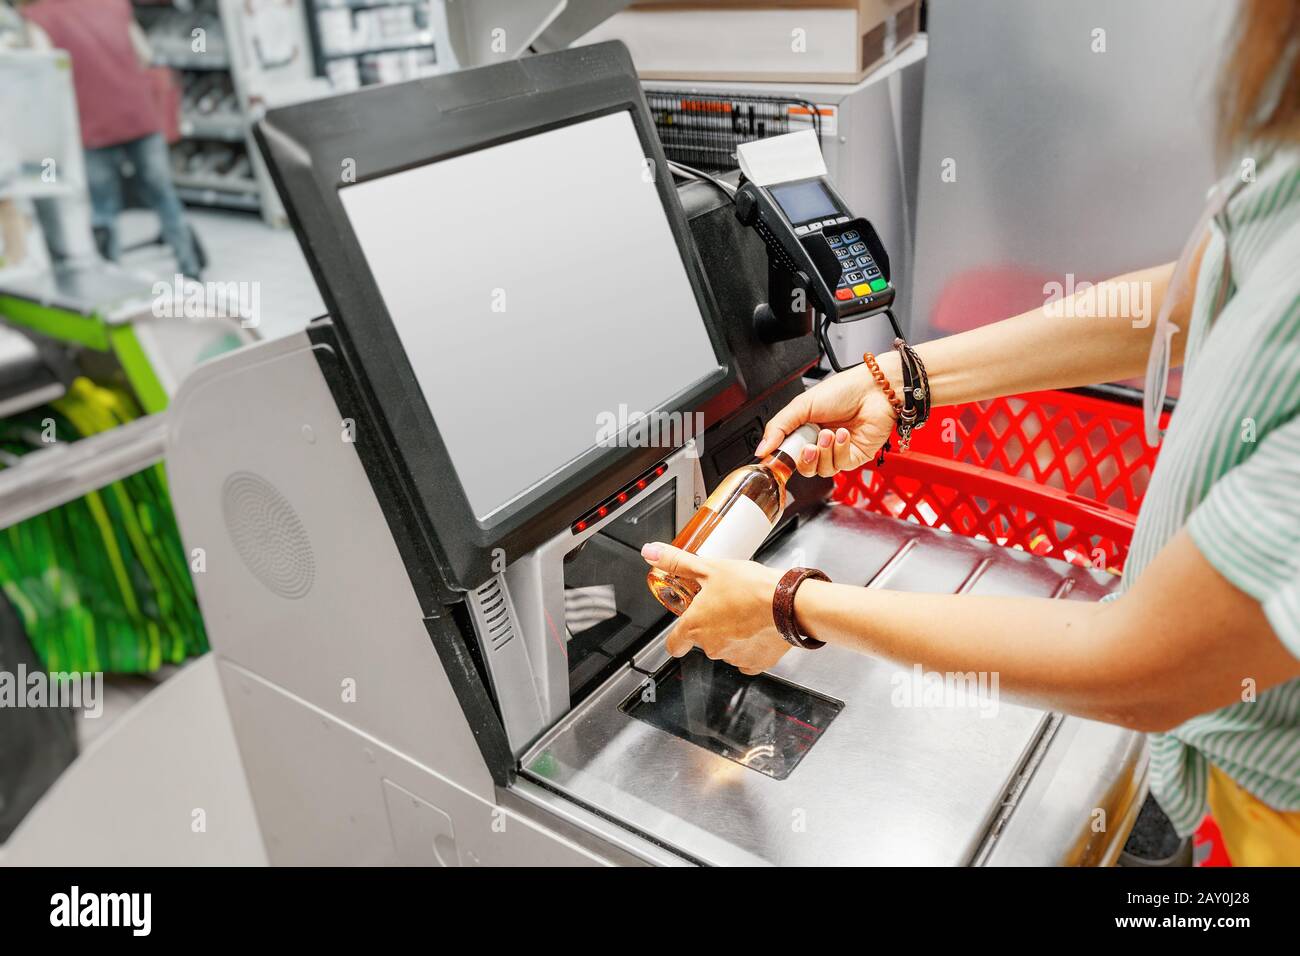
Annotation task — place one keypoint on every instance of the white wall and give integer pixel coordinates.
(1067, 160)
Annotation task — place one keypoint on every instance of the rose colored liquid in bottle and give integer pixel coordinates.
(740, 513)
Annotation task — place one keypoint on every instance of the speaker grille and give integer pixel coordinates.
(268, 535)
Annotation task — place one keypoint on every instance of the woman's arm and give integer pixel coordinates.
(1100, 335)
(1148, 661)
(1060, 345)
(13, 233)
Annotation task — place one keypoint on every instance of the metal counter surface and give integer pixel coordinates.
(886, 783)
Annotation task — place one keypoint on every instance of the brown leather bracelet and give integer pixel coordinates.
(783, 606)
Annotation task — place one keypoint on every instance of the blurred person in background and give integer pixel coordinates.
(13, 224)
(120, 124)
(14, 34)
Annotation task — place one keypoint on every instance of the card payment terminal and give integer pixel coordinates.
(821, 257)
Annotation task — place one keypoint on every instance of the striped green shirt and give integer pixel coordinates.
(1229, 471)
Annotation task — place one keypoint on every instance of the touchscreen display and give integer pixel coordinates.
(539, 294)
(762, 722)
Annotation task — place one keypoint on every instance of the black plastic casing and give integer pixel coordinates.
(370, 377)
(315, 149)
(811, 256)
(736, 263)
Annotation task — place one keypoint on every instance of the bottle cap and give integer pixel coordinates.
(794, 442)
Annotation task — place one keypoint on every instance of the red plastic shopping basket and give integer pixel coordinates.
(1056, 473)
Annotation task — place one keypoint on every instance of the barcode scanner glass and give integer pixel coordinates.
(763, 722)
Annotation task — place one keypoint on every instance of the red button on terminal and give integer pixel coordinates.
(843, 294)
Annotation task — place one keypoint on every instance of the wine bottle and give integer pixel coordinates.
(740, 513)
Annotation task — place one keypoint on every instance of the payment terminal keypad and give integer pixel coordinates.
(859, 274)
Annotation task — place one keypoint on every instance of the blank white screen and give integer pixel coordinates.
(534, 285)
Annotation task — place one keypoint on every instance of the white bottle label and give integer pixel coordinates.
(738, 533)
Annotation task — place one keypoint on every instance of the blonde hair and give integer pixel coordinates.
(1259, 88)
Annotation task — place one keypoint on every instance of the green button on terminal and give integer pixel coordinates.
(878, 284)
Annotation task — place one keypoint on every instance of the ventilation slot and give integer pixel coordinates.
(493, 613)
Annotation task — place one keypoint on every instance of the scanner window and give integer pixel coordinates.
(607, 606)
(762, 723)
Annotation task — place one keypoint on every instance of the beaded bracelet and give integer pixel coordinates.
(895, 402)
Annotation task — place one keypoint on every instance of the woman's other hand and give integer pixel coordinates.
(730, 619)
(854, 415)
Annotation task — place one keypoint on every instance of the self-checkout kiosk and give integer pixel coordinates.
(420, 531)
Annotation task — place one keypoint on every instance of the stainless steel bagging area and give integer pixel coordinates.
(886, 779)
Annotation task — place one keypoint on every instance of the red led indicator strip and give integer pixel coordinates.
(618, 499)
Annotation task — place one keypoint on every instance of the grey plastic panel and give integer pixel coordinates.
(329, 795)
(353, 643)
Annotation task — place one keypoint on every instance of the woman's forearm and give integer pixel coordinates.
(1149, 661)
(1102, 334)
(1044, 652)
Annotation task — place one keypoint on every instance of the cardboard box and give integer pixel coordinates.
(823, 41)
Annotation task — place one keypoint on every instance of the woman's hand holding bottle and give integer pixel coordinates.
(855, 418)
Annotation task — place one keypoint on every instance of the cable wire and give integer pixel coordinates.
(690, 172)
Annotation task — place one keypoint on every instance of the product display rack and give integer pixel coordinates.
(210, 162)
(704, 129)
(363, 42)
(251, 53)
